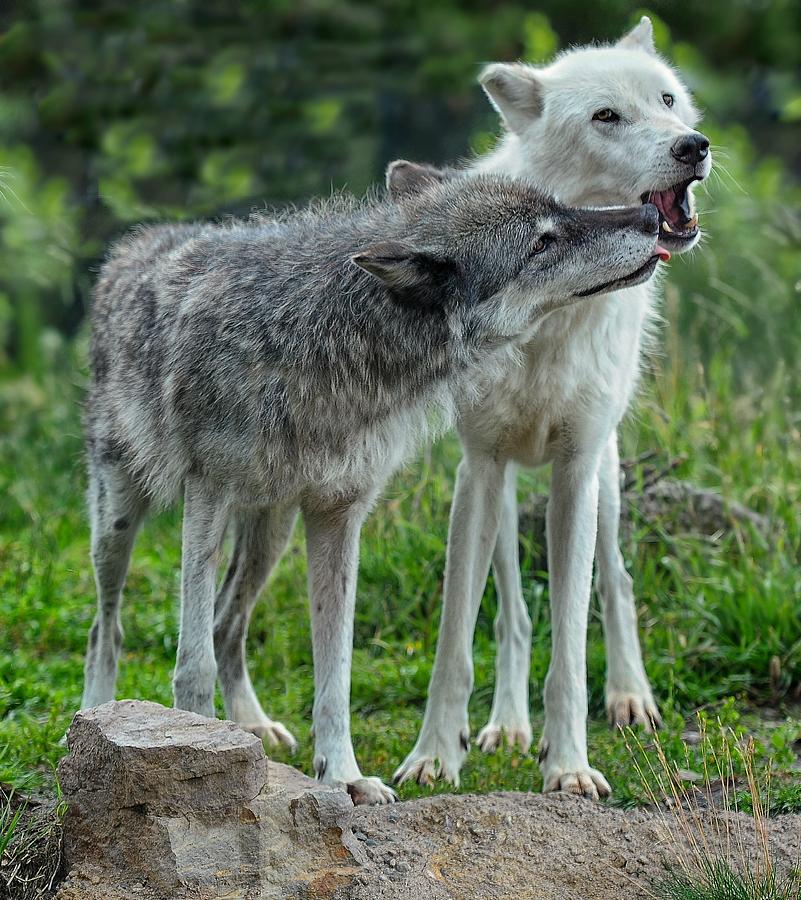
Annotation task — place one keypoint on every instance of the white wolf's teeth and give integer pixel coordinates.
(666, 227)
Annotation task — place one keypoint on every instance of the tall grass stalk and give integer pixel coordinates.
(710, 854)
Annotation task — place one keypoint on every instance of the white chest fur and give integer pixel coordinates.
(578, 372)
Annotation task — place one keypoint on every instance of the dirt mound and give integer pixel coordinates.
(508, 845)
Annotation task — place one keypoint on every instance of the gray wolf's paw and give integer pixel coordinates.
(273, 732)
(433, 759)
(370, 792)
(632, 708)
(490, 738)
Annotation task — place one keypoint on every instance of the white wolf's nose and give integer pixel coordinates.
(690, 148)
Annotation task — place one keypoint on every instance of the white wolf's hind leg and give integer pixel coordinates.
(260, 539)
(445, 735)
(116, 509)
(629, 700)
(510, 710)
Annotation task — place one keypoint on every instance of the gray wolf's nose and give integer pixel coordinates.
(649, 218)
(690, 149)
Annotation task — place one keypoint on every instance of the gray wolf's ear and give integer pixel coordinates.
(411, 274)
(515, 90)
(405, 178)
(641, 37)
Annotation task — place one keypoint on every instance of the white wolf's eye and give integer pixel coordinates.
(606, 115)
(669, 100)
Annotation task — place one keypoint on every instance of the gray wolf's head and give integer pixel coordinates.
(494, 243)
(607, 126)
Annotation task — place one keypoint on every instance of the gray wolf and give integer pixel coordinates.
(272, 366)
(600, 126)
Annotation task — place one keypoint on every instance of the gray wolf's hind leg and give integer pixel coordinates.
(116, 509)
(205, 520)
(510, 709)
(260, 538)
(629, 700)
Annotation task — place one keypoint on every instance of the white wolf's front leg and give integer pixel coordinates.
(510, 710)
(475, 512)
(572, 527)
(205, 520)
(332, 543)
(629, 700)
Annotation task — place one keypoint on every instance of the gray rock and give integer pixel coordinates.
(133, 753)
(183, 806)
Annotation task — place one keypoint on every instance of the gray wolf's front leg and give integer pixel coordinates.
(260, 538)
(510, 710)
(332, 542)
(116, 509)
(629, 700)
(475, 515)
(205, 520)
(572, 527)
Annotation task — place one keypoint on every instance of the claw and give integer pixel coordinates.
(424, 771)
(274, 733)
(370, 792)
(625, 710)
(490, 738)
(587, 783)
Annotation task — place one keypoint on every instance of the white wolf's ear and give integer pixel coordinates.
(405, 178)
(641, 37)
(515, 90)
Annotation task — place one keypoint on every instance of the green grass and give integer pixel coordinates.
(719, 617)
(718, 880)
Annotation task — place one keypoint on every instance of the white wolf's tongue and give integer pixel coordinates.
(664, 201)
(663, 254)
(675, 208)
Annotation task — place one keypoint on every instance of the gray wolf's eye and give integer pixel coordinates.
(542, 243)
(606, 115)
(669, 99)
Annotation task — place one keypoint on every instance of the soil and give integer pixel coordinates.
(510, 845)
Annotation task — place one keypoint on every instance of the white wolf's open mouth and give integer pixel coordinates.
(677, 218)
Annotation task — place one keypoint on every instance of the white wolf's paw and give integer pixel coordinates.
(370, 792)
(490, 738)
(632, 708)
(274, 732)
(588, 783)
(431, 760)
(579, 779)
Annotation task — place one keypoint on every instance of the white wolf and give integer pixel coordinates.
(607, 125)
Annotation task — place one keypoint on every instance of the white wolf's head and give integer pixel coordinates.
(605, 126)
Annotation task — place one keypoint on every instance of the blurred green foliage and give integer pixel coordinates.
(114, 113)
